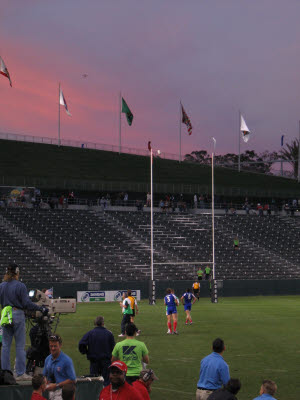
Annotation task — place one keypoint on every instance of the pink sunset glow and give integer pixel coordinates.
(216, 59)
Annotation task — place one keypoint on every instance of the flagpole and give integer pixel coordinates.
(120, 123)
(151, 209)
(180, 117)
(239, 141)
(58, 114)
(299, 155)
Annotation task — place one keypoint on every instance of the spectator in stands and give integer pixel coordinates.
(228, 392)
(201, 201)
(236, 243)
(162, 205)
(260, 210)
(267, 390)
(143, 384)
(39, 383)
(61, 201)
(195, 201)
(125, 199)
(127, 313)
(98, 345)
(207, 271)
(200, 274)
(14, 300)
(59, 369)
(246, 207)
(148, 203)
(139, 205)
(132, 352)
(68, 391)
(214, 371)
(71, 197)
(119, 389)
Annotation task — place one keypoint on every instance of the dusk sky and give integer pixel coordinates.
(217, 56)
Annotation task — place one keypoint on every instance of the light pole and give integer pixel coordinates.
(214, 293)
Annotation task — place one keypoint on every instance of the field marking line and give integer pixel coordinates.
(171, 390)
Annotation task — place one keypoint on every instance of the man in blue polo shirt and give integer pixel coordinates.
(267, 390)
(214, 372)
(58, 369)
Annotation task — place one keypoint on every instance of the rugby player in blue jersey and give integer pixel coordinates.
(187, 300)
(171, 302)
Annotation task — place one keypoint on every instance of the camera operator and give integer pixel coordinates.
(14, 293)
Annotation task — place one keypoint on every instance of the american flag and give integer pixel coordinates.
(49, 293)
(186, 120)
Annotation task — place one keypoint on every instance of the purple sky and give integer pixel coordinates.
(216, 56)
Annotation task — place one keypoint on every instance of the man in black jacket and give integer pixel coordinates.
(228, 392)
(98, 345)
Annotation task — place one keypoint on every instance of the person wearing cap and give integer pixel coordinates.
(143, 384)
(59, 369)
(132, 352)
(119, 389)
(214, 371)
(14, 293)
(98, 345)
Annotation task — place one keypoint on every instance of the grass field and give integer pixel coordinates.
(261, 335)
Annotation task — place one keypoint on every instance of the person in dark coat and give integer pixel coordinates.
(228, 392)
(98, 345)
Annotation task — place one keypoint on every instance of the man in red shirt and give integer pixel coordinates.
(119, 388)
(143, 384)
(39, 383)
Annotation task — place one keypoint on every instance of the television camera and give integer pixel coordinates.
(42, 326)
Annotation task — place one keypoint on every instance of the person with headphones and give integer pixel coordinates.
(143, 384)
(14, 300)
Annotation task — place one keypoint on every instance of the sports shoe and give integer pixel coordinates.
(24, 377)
(169, 332)
(138, 331)
(176, 333)
(121, 335)
(137, 334)
(191, 322)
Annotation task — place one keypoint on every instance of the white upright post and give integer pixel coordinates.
(120, 109)
(213, 212)
(58, 114)
(151, 210)
(239, 141)
(180, 118)
(299, 155)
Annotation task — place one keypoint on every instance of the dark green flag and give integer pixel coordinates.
(126, 110)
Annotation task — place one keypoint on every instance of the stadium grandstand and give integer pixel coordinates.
(84, 239)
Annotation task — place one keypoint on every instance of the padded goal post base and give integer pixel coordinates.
(152, 298)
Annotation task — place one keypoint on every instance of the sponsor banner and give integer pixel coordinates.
(107, 295)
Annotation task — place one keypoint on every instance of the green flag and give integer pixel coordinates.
(126, 110)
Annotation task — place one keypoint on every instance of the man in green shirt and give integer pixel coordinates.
(207, 272)
(200, 273)
(132, 352)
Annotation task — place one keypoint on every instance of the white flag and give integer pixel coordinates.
(4, 71)
(244, 129)
(63, 102)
